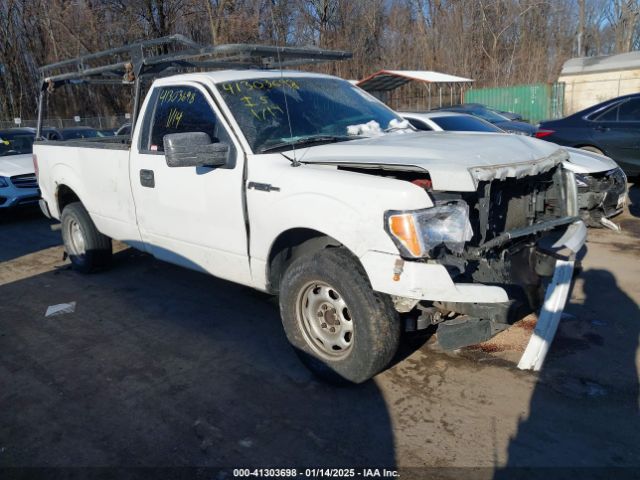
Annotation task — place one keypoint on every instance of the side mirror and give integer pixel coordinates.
(194, 149)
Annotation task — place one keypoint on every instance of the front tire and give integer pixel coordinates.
(87, 248)
(342, 330)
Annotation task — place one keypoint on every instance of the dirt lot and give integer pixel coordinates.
(160, 366)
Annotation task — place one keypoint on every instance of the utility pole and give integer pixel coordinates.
(581, 29)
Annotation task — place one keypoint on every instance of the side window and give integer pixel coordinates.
(629, 111)
(420, 125)
(610, 115)
(180, 110)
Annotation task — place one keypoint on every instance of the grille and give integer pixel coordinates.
(504, 205)
(25, 181)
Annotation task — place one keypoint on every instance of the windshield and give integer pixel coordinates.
(322, 109)
(16, 143)
(464, 123)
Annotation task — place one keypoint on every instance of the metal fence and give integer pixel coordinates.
(535, 102)
(99, 123)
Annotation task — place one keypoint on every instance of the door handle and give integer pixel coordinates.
(601, 128)
(147, 179)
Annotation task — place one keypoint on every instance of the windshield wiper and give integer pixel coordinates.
(300, 142)
(398, 127)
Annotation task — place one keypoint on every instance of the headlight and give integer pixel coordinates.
(416, 233)
(582, 180)
(4, 182)
(620, 175)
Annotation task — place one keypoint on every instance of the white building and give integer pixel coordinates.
(591, 80)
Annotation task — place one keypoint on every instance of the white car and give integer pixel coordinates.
(18, 184)
(602, 185)
(300, 184)
(441, 121)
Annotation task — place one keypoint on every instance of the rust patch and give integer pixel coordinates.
(488, 347)
(527, 323)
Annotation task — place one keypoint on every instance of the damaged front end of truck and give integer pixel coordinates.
(521, 226)
(482, 255)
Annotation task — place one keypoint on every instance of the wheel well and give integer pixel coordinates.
(290, 245)
(65, 197)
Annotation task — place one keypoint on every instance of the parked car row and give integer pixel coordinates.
(610, 128)
(18, 184)
(510, 125)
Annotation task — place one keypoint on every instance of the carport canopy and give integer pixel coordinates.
(384, 81)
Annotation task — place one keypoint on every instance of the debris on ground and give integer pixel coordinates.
(60, 309)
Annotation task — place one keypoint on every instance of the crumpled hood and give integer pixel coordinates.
(11, 165)
(455, 161)
(583, 161)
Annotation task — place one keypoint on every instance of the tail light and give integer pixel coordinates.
(35, 164)
(544, 133)
(423, 183)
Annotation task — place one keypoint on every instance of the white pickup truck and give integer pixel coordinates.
(304, 186)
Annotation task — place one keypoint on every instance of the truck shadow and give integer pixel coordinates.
(585, 404)
(162, 366)
(634, 198)
(16, 224)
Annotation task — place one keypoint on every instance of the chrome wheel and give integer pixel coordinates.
(76, 239)
(325, 320)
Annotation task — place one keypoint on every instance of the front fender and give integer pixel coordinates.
(324, 214)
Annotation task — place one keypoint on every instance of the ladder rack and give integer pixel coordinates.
(148, 59)
(151, 58)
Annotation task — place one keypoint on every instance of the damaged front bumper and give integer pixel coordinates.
(432, 281)
(476, 308)
(478, 322)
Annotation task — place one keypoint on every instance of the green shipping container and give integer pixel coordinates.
(535, 102)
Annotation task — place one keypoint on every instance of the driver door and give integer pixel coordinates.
(190, 216)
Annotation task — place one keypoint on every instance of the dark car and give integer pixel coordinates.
(611, 128)
(79, 132)
(107, 132)
(480, 111)
(514, 117)
(449, 121)
(124, 130)
(49, 133)
(508, 115)
(18, 141)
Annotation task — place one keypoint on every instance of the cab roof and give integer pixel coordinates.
(221, 76)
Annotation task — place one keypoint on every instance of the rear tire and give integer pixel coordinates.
(589, 148)
(87, 248)
(341, 329)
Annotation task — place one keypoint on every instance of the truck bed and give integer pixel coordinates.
(96, 170)
(121, 142)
